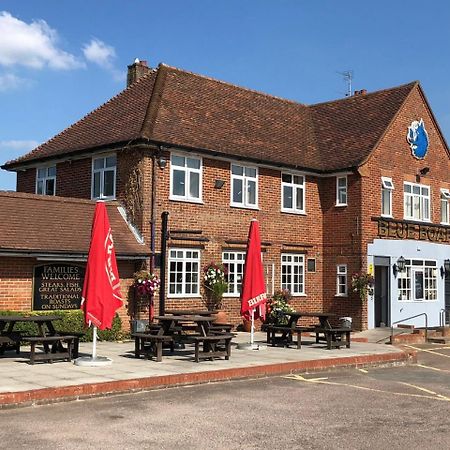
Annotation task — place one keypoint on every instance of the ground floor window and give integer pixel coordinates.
(293, 273)
(341, 280)
(418, 282)
(184, 273)
(234, 262)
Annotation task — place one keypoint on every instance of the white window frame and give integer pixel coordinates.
(295, 188)
(419, 199)
(245, 179)
(387, 186)
(184, 259)
(343, 189)
(445, 201)
(406, 281)
(45, 179)
(341, 272)
(292, 264)
(238, 259)
(102, 177)
(187, 197)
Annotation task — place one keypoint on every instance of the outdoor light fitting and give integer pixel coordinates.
(162, 162)
(400, 266)
(218, 184)
(424, 171)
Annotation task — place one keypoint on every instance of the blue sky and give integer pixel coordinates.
(60, 59)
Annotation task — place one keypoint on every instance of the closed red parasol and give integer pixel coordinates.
(253, 293)
(101, 295)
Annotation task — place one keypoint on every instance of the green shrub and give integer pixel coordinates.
(71, 321)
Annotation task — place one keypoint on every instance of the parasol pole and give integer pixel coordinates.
(252, 331)
(94, 342)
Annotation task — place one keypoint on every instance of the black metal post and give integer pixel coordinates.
(164, 236)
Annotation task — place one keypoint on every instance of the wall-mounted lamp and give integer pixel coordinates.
(400, 266)
(218, 184)
(424, 171)
(162, 162)
(445, 269)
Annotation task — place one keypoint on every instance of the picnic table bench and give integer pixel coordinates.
(10, 341)
(56, 352)
(151, 344)
(335, 337)
(214, 346)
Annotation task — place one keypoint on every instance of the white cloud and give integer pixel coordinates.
(32, 45)
(18, 145)
(104, 55)
(99, 53)
(9, 81)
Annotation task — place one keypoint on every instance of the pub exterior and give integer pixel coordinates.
(356, 185)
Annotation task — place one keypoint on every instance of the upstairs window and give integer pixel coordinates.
(104, 177)
(416, 201)
(341, 191)
(244, 186)
(386, 196)
(46, 180)
(293, 193)
(445, 197)
(341, 280)
(186, 178)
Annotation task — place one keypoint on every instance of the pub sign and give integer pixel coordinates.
(57, 286)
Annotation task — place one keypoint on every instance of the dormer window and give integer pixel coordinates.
(46, 180)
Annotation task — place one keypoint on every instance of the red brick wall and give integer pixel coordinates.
(26, 181)
(16, 285)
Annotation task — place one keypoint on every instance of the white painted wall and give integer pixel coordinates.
(409, 250)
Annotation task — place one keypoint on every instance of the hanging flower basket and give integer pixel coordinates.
(362, 283)
(146, 283)
(215, 284)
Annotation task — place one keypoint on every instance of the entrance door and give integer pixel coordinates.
(447, 298)
(382, 298)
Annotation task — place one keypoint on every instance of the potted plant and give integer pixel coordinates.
(362, 283)
(215, 285)
(277, 308)
(145, 284)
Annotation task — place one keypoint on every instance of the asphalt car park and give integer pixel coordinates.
(404, 407)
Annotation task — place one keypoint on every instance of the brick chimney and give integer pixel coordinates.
(136, 70)
(361, 92)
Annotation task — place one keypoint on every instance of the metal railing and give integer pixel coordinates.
(444, 317)
(409, 318)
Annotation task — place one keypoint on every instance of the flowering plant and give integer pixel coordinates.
(215, 283)
(362, 283)
(278, 306)
(146, 282)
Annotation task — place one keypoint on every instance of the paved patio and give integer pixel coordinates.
(21, 382)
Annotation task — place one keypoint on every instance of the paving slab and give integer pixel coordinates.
(22, 383)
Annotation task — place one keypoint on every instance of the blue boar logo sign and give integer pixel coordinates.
(417, 138)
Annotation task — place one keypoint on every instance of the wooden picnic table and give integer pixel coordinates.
(191, 312)
(51, 339)
(283, 334)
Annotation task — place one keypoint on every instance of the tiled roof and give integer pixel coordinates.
(43, 224)
(179, 108)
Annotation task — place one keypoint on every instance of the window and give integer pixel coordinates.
(386, 196)
(416, 201)
(293, 273)
(104, 177)
(186, 178)
(341, 191)
(234, 261)
(311, 264)
(341, 280)
(244, 186)
(184, 273)
(293, 193)
(418, 282)
(445, 197)
(46, 180)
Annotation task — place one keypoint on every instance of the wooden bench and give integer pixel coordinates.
(220, 327)
(10, 341)
(334, 337)
(149, 344)
(57, 351)
(283, 334)
(302, 329)
(214, 346)
(76, 341)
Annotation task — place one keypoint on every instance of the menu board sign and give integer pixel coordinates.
(57, 286)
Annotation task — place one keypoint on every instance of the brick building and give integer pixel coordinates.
(336, 187)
